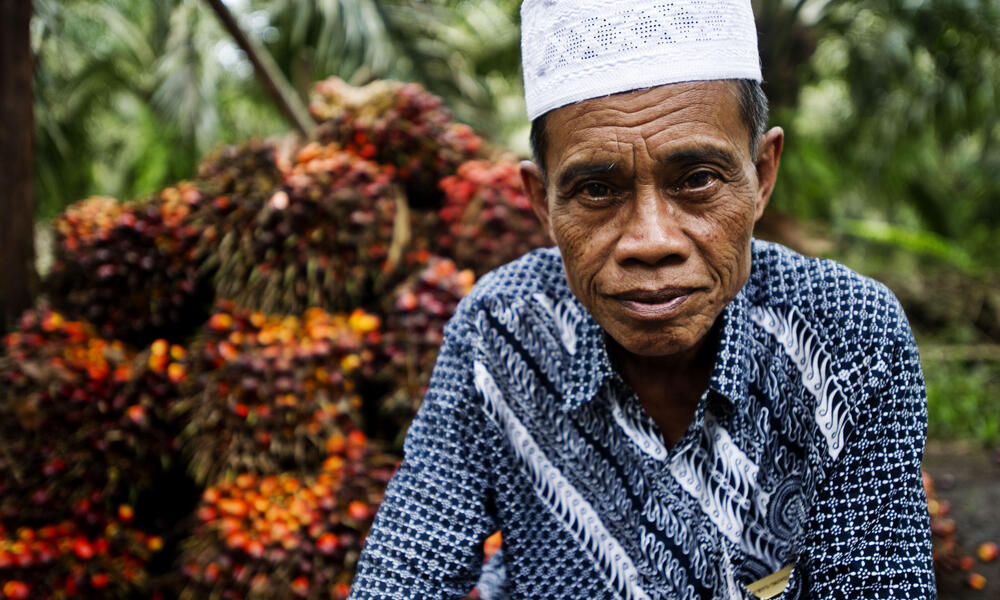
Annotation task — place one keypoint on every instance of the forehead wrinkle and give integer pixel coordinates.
(636, 102)
(584, 150)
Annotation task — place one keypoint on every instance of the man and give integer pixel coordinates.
(661, 407)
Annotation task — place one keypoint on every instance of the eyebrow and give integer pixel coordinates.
(581, 170)
(697, 154)
(700, 154)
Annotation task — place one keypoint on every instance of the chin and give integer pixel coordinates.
(657, 343)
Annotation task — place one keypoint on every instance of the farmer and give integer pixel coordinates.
(661, 406)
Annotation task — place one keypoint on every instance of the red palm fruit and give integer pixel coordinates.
(255, 548)
(206, 513)
(233, 506)
(176, 372)
(358, 510)
(16, 590)
(126, 513)
(220, 322)
(237, 540)
(83, 548)
(300, 586)
(987, 552)
(327, 543)
(966, 563)
(492, 545)
(976, 581)
(99, 580)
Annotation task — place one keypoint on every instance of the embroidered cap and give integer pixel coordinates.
(573, 50)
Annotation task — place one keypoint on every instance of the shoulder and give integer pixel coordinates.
(537, 273)
(844, 308)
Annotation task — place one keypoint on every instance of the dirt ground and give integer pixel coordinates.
(969, 478)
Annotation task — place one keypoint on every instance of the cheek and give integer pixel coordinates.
(583, 242)
(724, 235)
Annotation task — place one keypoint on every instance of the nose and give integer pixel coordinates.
(651, 232)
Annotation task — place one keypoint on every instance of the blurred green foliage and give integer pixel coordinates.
(129, 94)
(897, 121)
(962, 400)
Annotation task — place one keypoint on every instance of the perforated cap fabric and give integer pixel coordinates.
(573, 50)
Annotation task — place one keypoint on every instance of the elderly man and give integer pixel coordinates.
(661, 407)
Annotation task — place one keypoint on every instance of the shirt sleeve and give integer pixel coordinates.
(427, 538)
(868, 530)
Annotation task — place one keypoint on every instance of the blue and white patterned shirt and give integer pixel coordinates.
(805, 450)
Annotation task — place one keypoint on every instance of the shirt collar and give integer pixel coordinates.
(590, 367)
(731, 371)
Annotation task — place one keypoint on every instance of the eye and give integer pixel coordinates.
(699, 181)
(595, 189)
(595, 194)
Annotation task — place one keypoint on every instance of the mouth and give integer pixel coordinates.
(653, 304)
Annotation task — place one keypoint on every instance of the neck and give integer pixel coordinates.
(668, 387)
(672, 368)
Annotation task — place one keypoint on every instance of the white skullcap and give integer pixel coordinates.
(574, 50)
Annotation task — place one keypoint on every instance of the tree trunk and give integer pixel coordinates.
(17, 203)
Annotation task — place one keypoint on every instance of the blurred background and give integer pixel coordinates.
(891, 165)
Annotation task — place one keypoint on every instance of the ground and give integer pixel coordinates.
(969, 477)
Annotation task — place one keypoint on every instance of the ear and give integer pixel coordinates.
(534, 188)
(768, 158)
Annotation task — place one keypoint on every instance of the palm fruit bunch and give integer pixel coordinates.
(487, 219)
(282, 536)
(413, 333)
(66, 559)
(81, 417)
(239, 179)
(271, 389)
(324, 239)
(129, 268)
(247, 172)
(399, 124)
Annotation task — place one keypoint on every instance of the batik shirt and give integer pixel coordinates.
(805, 450)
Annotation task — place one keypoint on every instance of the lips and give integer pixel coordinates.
(653, 304)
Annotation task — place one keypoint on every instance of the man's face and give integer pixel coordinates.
(651, 198)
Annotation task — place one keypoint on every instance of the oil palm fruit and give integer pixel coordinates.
(82, 418)
(396, 123)
(284, 536)
(323, 239)
(104, 558)
(486, 218)
(129, 268)
(270, 389)
(416, 314)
